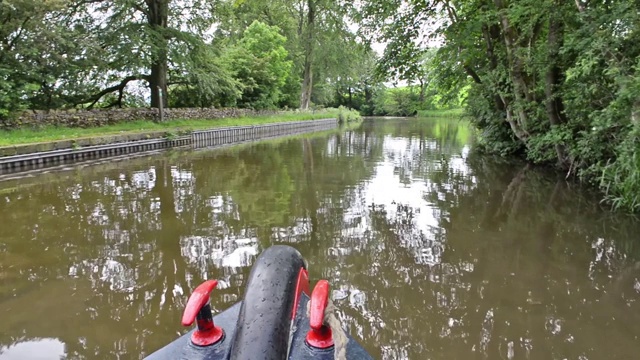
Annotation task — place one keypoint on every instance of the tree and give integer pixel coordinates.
(210, 80)
(308, 25)
(64, 53)
(37, 48)
(160, 34)
(78, 52)
(261, 65)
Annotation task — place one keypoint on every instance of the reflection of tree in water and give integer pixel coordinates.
(431, 253)
(520, 267)
(128, 244)
(120, 232)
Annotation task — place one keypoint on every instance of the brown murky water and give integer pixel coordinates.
(432, 253)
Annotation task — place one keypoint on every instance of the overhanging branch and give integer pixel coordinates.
(473, 74)
(119, 87)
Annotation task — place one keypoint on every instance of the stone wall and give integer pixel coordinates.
(101, 117)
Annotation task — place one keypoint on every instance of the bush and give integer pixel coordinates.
(620, 178)
(397, 102)
(347, 116)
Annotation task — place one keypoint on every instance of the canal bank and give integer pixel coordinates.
(33, 156)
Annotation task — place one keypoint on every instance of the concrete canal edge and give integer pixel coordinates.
(33, 156)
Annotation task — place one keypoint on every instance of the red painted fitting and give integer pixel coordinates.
(319, 336)
(302, 286)
(199, 309)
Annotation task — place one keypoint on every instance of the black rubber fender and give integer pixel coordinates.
(264, 322)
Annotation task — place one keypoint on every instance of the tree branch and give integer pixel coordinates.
(77, 5)
(453, 16)
(13, 41)
(179, 82)
(119, 87)
(141, 9)
(473, 74)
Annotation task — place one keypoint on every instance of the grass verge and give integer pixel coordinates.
(442, 113)
(52, 133)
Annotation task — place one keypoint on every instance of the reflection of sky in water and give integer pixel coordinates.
(142, 179)
(292, 234)
(401, 200)
(184, 183)
(207, 251)
(398, 190)
(119, 277)
(224, 248)
(40, 349)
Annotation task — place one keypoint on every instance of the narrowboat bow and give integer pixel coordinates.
(278, 318)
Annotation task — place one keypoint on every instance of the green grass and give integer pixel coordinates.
(457, 113)
(47, 134)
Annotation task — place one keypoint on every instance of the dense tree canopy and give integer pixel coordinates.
(249, 53)
(260, 62)
(554, 80)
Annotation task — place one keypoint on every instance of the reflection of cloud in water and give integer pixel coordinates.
(607, 257)
(392, 191)
(99, 216)
(293, 234)
(205, 251)
(220, 204)
(459, 164)
(142, 179)
(347, 295)
(398, 352)
(40, 349)
(119, 277)
(184, 186)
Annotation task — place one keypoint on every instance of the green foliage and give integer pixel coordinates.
(420, 69)
(36, 49)
(211, 82)
(621, 178)
(347, 116)
(397, 102)
(68, 53)
(456, 113)
(260, 63)
(554, 81)
(409, 101)
(62, 54)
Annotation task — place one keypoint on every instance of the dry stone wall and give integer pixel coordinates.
(101, 117)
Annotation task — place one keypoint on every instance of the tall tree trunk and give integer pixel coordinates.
(555, 107)
(158, 82)
(516, 70)
(307, 85)
(515, 127)
(368, 95)
(157, 16)
(491, 35)
(307, 75)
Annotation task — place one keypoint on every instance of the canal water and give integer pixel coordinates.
(432, 251)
